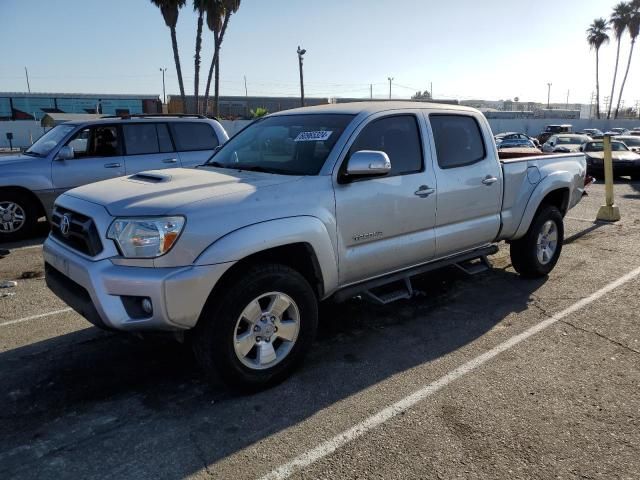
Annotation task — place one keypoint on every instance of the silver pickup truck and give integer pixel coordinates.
(301, 206)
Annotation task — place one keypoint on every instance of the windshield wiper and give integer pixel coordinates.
(214, 164)
(33, 154)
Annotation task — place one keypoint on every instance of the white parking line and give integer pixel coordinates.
(33, 317)
(331, 445)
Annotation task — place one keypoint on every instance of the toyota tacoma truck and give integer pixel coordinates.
(306, 205)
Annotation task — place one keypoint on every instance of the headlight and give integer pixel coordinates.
(145, 237)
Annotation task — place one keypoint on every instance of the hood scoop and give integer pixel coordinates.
(150, 177)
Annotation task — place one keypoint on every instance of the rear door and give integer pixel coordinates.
(195, 142)
(469, 180)
(148, 146)
(387, 223)
(97, 156)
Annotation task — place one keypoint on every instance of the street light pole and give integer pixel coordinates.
(390, 80)
(301, 52)
(164, 95)
(548, 96)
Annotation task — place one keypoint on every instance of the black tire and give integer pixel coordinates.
(213, 336)
(524, 257)
(30, 209)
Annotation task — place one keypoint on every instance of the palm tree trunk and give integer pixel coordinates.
(216, 52)
(597, 87)
(197, 59)
(624, 79)
(613, 85)
(176, 58)
(216, 88)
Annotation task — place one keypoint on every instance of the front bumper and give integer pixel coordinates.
(101, 291)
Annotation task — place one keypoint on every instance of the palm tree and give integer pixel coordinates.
(596, 37)
(633, 25)
(199, 6)
(218, 16)
(170, 10)
(619, 21)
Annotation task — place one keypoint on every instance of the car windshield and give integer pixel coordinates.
(599, 147)
(570, 140)
(285, 144)
(631, 141)
(49, 140)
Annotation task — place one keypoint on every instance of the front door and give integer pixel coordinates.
(469, 184)
(97, 156)
(387, 223)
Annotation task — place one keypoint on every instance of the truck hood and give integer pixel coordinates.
(158, 192)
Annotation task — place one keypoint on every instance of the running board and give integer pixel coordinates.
(371, 289)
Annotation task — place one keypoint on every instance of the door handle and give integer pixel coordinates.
(169, 160)
(424, 191)
(489, 180)
(112, 165)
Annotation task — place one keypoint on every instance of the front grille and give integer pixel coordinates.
(82, 234)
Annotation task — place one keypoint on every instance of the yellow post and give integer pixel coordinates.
(609, 212)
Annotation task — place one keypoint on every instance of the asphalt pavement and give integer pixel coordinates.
(489, 376)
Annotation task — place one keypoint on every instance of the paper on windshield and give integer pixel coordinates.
(315, 136)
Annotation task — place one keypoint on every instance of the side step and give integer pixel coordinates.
(392, 292)
(397, 285)
(474, 266)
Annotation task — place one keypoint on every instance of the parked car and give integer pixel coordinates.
(592, 132)
(565, 143)
(514, 136)
(516, 143)
(240, 251)
(619, 131)
(625, 162)
(76, 153)
(550, 130)
(632, 142)
(634, 133)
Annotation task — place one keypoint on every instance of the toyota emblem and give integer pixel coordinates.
(65, 224)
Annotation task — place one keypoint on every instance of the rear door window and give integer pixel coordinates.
(458, 140)
(191, 136)
(141, 138)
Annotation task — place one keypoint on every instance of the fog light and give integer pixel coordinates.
(147, 306)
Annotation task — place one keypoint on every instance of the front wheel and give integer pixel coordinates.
(18, 216)
(257, 331)
(535, 254)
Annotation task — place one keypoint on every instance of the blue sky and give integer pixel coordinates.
(492, 49)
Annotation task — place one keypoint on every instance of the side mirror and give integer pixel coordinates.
(368, 163)
(65, 153)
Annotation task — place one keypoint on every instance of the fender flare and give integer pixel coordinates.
(258, 237)
(554, 181)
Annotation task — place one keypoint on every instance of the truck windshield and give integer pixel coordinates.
(284, 144)
(49, 140)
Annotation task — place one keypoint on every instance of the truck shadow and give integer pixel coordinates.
(81, 398)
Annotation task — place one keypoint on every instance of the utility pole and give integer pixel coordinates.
(390, 80)
(567, 99)
(548, 96)
(301, 52)
(431, 89)
(246, 94)
(26, 72)
(164, 93)
(371, 91)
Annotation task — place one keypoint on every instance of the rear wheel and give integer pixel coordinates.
(18, 216)
(535, 254)
(257, 331)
